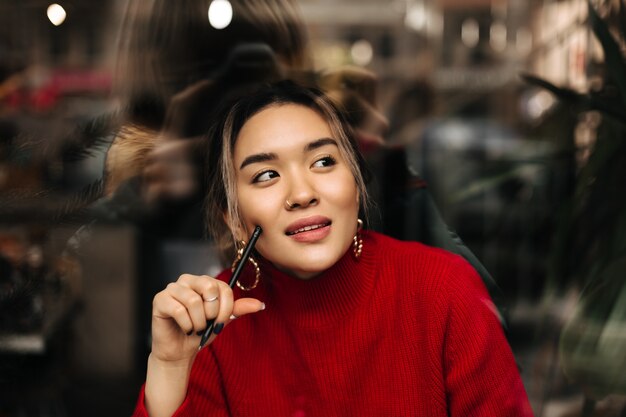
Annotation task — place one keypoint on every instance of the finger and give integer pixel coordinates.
(226, 303)
(206, 286)
(168, 170)
(209, 290)
(169, 179)
(170, 149)
(165, 307)
(243, 306)
(152, 192)
(154, 171)
(180, 188)
(192, 301)
(211, 307)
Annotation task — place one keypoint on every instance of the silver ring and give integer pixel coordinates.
(210, 300)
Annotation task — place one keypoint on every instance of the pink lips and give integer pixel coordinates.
(310, 229)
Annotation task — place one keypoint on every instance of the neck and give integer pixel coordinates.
(326, 296)
(301, 275)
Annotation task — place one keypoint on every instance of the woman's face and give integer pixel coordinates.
(288, 153)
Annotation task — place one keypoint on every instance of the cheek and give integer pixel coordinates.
(344, 192)
(258, 210)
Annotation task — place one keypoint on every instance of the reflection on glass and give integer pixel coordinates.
(56, 14)
(220, 14)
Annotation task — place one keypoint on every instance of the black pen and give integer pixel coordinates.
(233, 279)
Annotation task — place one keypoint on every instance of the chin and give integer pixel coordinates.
(313, 265)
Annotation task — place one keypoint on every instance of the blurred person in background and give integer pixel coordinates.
(174, 69)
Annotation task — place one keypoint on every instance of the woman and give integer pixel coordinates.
(336, 320)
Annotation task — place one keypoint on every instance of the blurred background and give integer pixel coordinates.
(510, 114)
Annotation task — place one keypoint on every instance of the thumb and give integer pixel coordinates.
(245, 306)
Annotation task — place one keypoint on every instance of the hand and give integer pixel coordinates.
(354, 89)
(180, 313)
(172, 172)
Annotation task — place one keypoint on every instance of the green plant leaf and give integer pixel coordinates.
(615, 65)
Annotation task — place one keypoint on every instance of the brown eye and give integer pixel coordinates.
(265, 176)
(326, 161)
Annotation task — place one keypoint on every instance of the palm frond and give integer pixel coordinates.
(75, 205)
(91, 137)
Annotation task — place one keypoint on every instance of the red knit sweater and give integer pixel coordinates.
(406, 330)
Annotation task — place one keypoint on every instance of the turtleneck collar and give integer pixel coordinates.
(325, 298)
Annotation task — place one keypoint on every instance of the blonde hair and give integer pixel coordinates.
(221, 178)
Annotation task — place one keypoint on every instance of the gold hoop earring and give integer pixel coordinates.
(357, 242)
(255, 264)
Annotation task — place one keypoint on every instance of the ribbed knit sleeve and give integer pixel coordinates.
(481, 376)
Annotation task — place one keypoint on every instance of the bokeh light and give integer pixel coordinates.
(220, 13)
(56, 14)
(470, 33)
(362, 52)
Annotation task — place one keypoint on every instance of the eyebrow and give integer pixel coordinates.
(264, 157)
(258, 157)
(319, 143)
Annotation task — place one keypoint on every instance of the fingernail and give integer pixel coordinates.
(233, 317)
(190, 332)
(201, 332)
(262, 306)
(218, 328)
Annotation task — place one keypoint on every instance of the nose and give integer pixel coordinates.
(302, 194)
